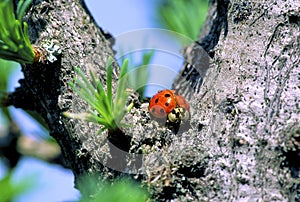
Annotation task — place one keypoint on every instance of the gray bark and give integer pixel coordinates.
(248, 104)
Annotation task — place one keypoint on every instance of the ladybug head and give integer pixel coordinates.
(178, 114)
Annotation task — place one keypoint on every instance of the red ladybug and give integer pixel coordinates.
(170, 105)
(181, 102)
(162, 103)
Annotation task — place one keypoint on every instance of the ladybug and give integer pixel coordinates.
(168, 104)
(162, 103)
(181, 102)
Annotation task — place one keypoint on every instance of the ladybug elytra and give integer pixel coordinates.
(168, 104)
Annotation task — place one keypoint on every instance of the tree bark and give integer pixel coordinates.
(243, 140)
(248, 105)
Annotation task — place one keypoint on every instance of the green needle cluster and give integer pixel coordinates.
(105, 110)
(14, 40)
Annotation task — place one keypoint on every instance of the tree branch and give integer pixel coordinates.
(45, 87)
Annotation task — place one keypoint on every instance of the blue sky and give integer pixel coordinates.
(132, 23)
(119, 16)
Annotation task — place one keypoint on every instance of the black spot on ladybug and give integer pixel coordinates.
(156, 101)
(167, 95)
(162, 111)
(167, 104)
(153, 110)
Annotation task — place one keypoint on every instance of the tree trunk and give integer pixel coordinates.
(247, 110)
(243, 141)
